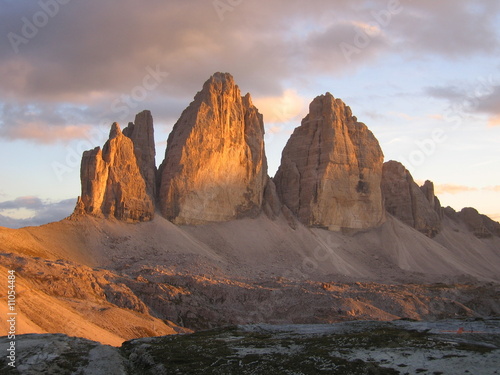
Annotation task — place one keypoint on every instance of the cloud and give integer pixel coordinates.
(446, 92)
(91, 47)
(30, 202)
(43, 133)
(494, 121)
(452, 189)
(280, 109)
(436, 116)
(479, 96)
(449, 28)
(42, 212)
(490, 103)
(274, 129)
(88, 54)
(457, 189)
(403, 116)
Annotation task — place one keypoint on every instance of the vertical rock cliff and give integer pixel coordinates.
(416, 206)
(331, 169)
(141, 132)
(112, 182)
(215, 168)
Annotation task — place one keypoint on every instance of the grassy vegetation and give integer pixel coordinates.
(230, 351)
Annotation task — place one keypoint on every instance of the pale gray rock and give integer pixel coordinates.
(141, 132)
(331, 170)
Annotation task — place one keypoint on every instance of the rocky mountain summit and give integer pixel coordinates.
(215, 167)
(331, 175)
(335, 236)
(141, 132)
(331, 169)
(113, 184)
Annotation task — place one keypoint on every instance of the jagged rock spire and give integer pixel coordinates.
(415, 206)
(112, 181)
(215, 166)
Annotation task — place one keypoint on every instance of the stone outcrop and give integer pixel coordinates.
(480, 225)
(112, 182)
(271, 205)
(428, 190)
(331, 170)
(413, 205)
(141, 132)
(215, 168)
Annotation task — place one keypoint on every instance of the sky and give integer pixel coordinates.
(422, 75)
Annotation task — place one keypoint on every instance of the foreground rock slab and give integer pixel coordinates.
(450, 347)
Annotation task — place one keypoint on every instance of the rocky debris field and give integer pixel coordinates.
(364, 347)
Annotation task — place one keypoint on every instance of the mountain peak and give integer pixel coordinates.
(115, 130)
(113, 182)
(331, 169)
(215, 167)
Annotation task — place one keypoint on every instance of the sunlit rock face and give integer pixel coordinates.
(215, 168)
(112, 183)
(331, 170)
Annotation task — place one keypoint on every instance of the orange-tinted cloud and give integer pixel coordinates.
(280, 109)
(457, 189)
(494, 121)
(46, 134)
(452, 189)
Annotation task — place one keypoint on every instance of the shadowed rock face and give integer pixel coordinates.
(413, 205)
(331, 169)
(141, 132)
(112, 183)
(215, 168)
(480, 225)
(428, 190)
